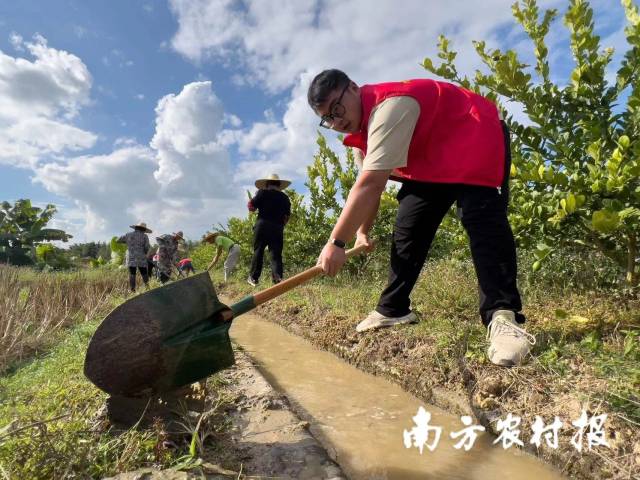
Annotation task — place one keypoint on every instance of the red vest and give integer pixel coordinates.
(458, 137)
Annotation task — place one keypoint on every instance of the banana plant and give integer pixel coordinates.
(23, 228)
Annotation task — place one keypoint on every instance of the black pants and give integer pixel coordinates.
(132, 277)
(483, 212)
(150, 267)
(267, 234)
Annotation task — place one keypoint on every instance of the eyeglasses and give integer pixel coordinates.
(337, 111)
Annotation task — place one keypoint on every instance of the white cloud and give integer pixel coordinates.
(182, 180)
(233, 120)
(57, 82)
(309, 35)
(16, 42)
(187, 126)
(280, 45)
(38, 99)
(103, 187)
(125, 142)
(49, 136)
(284, 52)
(116, 57)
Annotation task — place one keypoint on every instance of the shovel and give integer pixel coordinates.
(172, 336)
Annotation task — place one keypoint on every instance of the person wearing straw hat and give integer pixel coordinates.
(136, 257)
(168, 254)
(274, 210)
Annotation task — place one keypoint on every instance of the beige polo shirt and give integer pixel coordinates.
(391, 126)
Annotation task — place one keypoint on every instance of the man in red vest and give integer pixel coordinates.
(445, 144)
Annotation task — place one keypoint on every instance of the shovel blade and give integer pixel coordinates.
(160, 340)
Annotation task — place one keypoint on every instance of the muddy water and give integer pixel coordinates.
(360, 418)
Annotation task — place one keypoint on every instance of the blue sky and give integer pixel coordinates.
(122, 43)
(166, 111)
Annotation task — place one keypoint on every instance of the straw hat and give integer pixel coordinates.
(178, 235)
(141, 225)
(210, 237)
(261, 183)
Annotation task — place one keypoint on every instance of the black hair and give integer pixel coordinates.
(323, 84)
(275, 183)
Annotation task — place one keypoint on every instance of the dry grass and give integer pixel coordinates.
(54, 423)
(35, 307)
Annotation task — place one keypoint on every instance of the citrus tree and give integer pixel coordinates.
(576, 158)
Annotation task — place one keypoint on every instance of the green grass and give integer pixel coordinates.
(587, 338)
(53, 421)
(51, 427)
(587, 353)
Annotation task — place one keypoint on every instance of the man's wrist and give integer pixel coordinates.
(337, 242)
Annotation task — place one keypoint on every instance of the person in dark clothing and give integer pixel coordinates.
(274, 210)
(151, 264)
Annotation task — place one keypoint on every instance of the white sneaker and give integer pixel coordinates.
(510, 344)
(252, 282)
(377, 320)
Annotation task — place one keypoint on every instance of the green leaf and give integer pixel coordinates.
(624, 141)
(605, 221)
(428, 64)
(541, 171)
(561, 314)
(571, 203)
(594, 151)
(193, 444)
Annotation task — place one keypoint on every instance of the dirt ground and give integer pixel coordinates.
(267, 436)
(264, 438)
(268, 440)
(490, 392)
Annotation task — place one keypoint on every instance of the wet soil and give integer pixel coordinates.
(267, 436)
(362, 419)
(460, 386)
(262, 438)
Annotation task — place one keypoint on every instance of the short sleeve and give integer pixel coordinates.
(358, 156)
(391, 127)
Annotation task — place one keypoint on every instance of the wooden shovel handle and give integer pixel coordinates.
(302, 277)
